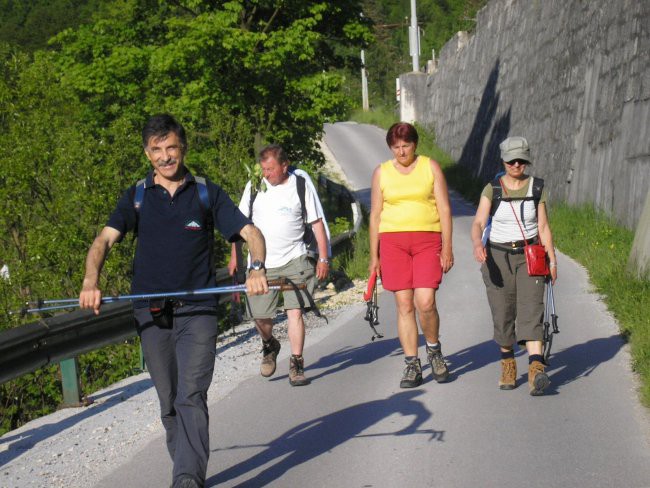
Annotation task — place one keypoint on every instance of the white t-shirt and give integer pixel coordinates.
(278, 214)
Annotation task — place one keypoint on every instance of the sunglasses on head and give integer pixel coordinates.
(521, 162)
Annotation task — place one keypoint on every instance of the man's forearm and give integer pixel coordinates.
(321, 238)
(95, 261)
(255, 241)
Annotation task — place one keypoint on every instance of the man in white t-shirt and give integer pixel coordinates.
(277, 212)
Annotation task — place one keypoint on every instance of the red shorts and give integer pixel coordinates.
(410, 260)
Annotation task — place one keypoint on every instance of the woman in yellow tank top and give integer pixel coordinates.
(410, 245)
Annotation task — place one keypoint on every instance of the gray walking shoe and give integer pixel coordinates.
(270, 350)
(438, 365)
(412, 376)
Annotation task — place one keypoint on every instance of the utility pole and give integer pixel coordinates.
(414, 38)
(364, 83)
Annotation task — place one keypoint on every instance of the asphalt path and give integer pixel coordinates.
(354, 427)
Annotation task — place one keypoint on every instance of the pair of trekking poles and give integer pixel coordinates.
(370, 297)
(50, 305)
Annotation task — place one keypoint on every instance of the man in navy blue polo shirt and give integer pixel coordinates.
(174, 252)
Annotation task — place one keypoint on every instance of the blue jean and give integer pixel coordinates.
(180, 360)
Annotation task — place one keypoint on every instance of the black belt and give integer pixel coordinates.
(513, 247)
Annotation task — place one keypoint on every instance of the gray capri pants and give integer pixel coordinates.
(299, 270)
(516, 299)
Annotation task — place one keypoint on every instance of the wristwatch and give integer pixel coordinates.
(256, 265)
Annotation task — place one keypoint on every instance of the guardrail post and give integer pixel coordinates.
(143, 364)
(70, 382)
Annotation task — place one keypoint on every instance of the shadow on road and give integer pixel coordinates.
(459, 206)
(473, 358)
(19, 443)
(580, 360)
(351, 356)
(313, 438)
(567, 365)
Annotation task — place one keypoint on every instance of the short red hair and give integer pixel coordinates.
(401, 131)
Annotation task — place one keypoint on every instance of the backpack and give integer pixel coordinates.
(204, 203)
(308, 237)
(497, 194)
(497, 198)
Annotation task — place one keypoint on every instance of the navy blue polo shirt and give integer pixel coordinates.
(173, 245)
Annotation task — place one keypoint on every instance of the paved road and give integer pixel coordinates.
(354, 427)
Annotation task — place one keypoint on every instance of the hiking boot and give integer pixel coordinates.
(438, 365)
(537, 378)
(508, 374)
(297, 371)
(270, 350)
(412, 376)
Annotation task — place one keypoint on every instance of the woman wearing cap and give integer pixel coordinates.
(410, 221)
(516, 299)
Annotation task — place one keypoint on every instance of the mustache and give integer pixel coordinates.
(168, 162)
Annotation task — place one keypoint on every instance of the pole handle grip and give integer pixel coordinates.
(284, 285)
(372, 282)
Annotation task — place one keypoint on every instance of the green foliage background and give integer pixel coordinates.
(74, 94)
(79, 78)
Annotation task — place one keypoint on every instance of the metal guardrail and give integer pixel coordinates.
(60, 339)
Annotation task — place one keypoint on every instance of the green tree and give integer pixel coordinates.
(29, 24)
(236, 73)
(266, 61)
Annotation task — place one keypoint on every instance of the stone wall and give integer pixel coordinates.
(572, 76)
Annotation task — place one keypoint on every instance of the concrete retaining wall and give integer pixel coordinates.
(572, 76)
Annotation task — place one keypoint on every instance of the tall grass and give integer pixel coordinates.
(381, 117)
(602, 247)
(355, 262)
(586, 235)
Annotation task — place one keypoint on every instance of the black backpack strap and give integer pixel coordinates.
(251, 201)
(204, 200)
(300, 186)
(538, 187)
(309, 238)
(301, 301)
(138, 199)
(497, 195)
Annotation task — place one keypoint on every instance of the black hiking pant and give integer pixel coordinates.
(180, 360)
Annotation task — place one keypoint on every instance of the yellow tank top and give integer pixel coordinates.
(409, 204)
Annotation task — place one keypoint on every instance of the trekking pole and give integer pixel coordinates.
(372, 311)
(550, 321)
(59, 304)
